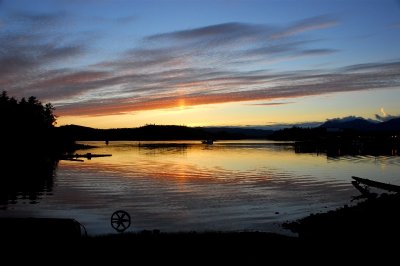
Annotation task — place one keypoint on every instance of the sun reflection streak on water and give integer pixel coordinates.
(180, 186)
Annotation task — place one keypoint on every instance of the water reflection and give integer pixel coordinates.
(182, 186)
(161, 148)
(352, 149)
(25, 179)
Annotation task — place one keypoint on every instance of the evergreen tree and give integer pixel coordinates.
(26, 124)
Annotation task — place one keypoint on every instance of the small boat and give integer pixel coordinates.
(208, 141)
(365, 193)
(372, 183)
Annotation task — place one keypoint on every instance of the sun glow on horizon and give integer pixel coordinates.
(252, 63)
(181, 104)
(250, 113)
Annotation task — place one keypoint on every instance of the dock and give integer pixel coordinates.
(76, 156)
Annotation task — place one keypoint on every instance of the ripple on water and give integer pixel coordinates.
(185, 186)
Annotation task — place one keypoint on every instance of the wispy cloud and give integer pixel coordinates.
(395, 26)
(220, 63)
(309, 24)
(228, 88)
(120, 20)
(270, 103)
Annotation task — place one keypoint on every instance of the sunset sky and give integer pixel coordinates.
(117, 63)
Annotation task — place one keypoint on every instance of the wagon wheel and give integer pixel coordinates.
(120, 220)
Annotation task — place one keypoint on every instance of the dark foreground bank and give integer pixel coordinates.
(366, 232)
(373, 221)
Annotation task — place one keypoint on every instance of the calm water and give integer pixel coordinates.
(185, 185)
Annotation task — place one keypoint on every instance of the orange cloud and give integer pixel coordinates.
(247, 88)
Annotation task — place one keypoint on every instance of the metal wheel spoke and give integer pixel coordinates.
(120, 220)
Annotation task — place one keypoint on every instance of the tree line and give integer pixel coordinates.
(28, 125)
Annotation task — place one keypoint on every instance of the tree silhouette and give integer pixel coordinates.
(29, 146)
(26, 124)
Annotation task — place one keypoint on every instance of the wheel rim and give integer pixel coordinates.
(120, 221)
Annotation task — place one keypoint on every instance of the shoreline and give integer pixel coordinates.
(370, 227)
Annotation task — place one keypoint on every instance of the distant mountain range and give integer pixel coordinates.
(273, 127)
(350, 122)
(172, 132)
(244, 131)
(160, 132)
(358, 123)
